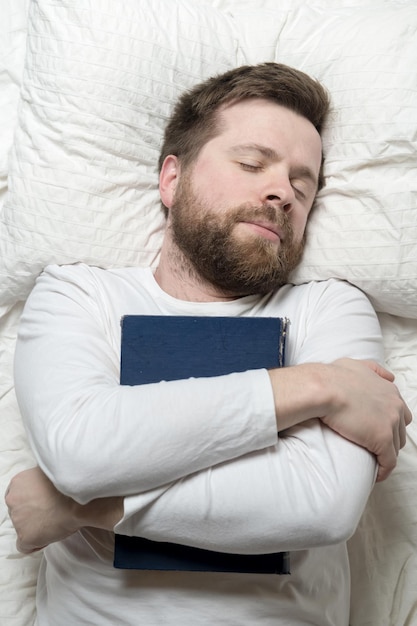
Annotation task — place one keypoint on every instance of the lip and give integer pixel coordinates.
(266, 229)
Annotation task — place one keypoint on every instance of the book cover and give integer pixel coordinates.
(156, 348)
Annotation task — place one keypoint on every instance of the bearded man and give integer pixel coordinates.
(251, 463)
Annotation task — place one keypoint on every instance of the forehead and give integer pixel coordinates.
(265, 123)
(261, 111)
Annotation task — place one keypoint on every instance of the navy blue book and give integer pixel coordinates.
(156, 348)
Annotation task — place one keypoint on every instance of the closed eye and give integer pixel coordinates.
(302, 191)
(248, 167)
(299, 192)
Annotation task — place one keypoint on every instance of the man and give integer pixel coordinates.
(199, 462)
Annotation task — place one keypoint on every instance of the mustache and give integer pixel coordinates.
(264, 212)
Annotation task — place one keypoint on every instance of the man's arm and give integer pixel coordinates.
(42, 515)
(307, 491)
(193, 433)
(67, 384)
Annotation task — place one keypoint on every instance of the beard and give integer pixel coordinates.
(211, 250)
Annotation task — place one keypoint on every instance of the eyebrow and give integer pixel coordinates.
(301, 171)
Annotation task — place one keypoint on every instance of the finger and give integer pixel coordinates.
(396, 438)
(386, 463)
(406, 419)
(408, 416)
(402, 433)
(382, 474)
(381, 371)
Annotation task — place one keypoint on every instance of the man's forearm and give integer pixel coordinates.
(102, 513)
(42, 515)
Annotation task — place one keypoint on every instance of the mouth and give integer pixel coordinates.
(268, 230)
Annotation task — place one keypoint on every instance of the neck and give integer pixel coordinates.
(177, 277)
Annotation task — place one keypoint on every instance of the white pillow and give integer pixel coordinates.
(99, 84)
(364, 228)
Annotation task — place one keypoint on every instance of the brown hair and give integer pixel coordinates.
(194, 120)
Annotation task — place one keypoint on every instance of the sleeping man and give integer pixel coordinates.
(251, 463)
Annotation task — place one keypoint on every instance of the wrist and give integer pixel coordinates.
(301, 392)
(102, 513)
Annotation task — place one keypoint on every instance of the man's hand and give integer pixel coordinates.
(381, 415)
(357, 399)
(42, 515)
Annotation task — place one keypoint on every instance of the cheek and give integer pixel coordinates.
(217, 188)
(299, 223)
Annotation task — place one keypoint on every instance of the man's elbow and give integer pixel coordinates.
(76, 478)
(337, 521)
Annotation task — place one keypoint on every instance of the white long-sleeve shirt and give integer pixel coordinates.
(199, 461)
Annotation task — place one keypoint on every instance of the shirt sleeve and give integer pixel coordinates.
(308, 490)
(210, 471)
(67, 385)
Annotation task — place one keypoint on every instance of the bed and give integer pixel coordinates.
(86, 87)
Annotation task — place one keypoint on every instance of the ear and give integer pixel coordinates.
(168, 179)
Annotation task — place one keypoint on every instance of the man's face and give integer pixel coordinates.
(239, 212)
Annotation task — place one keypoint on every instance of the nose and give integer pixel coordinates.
(279, 203)
(279, 193)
